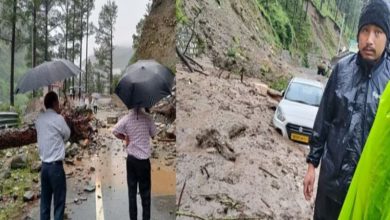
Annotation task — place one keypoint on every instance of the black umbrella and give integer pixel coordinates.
(46, 74)
(144, 84)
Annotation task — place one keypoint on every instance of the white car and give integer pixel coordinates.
(294, 117)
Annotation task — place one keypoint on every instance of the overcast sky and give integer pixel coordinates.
(129, 14)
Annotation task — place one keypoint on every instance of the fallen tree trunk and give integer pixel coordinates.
(17, 137)
(78, 121)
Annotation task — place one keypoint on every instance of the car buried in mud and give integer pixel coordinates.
(295, 114)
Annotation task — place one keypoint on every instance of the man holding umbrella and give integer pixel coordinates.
(136, 129)
(52, 131)
(144, 84)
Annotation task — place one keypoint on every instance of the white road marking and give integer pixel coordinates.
(99, 201)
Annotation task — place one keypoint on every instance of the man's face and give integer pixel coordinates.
(372, 42)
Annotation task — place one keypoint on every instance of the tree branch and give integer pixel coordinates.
(182, 58)
(180, 213)
(193, 30)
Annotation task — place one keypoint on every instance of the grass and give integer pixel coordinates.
(180, 15)
(290, 31)
(279, 21)
(235, 51)
(280, 83)
(325, 12)
(20, 181)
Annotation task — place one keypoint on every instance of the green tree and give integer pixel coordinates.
(90, 6)
(10, 23)
(90, 78)
(104, 37)
(140, 26)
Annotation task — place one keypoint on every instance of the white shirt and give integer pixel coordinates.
(139, 127)
(94, 102)
(52, 131)
(81, 102)
(87, 102)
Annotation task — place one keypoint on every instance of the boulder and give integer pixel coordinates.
(5, 174)
(171, 131)
(261, 89)
(28, 196)
(72, 150)
(19, 162)
(89, 188)
(112, 119)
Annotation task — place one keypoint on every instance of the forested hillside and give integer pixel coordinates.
(265, 38)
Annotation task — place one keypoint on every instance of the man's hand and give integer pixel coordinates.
(308, 182)
(127, 141)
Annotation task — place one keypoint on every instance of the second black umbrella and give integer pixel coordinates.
(144, 84)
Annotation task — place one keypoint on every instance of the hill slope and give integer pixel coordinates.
(158, 38)
(260, 40)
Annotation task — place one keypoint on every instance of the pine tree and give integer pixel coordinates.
(104, 38)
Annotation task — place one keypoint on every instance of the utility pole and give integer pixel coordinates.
(86, 51)
(81, 43)
(13, 54)
(341, 34)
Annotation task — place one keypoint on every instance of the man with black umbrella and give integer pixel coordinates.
(145, 83)
(347, 112)
(52, 131)
(136, 128)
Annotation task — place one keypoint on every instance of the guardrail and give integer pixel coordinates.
(8, 119)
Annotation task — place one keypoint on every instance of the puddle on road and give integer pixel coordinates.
(111, 169)
(163, 180)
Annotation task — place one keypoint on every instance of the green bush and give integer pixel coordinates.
(234, 51)
(279, 21)
(305, 60)
(180, 16)
(280, 84)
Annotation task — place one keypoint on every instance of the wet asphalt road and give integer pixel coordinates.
(110, 200)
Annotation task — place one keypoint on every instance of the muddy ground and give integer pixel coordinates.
(232, 161)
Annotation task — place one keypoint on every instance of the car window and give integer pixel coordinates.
(304, 93)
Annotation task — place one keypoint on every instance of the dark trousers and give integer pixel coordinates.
(53, 183)
(95, 109)
(138, 173)
(326, 208)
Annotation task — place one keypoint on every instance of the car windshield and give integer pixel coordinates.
(304, 93)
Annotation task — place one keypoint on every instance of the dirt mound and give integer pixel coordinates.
(263, 181)
(157, 40)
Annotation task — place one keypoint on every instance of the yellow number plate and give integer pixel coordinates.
(300, 138)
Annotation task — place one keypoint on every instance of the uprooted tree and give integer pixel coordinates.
(77, 119)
